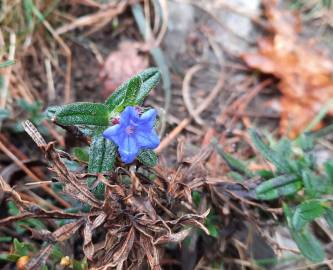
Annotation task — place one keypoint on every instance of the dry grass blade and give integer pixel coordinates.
(7, 72)
(174, 133)
(92, 19)
(40, 259)
(33, 133)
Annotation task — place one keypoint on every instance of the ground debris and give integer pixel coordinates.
(304, 72)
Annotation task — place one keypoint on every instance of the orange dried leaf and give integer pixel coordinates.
(305, 73)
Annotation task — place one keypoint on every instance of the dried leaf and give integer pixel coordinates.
(67, 231)
(174, 237)
(88, 246)
(305, 73)
(144, 205)
(121, 254)
(121, 65)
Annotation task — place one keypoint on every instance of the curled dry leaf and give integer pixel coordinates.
(173, 237)
(305, 73)
(121, 65)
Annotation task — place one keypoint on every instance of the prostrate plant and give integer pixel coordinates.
(123, 208)
(104, 123)
(298, 181)
(120, 126)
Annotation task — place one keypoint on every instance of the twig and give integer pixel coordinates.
(31, 174)
(67, 51)
(88, 20)
(173, 134)
(186, 93)
(50, 82)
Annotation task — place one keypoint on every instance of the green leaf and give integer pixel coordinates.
(328, 166)
(283, 148)
(269, 154)
(9, 257)
(306, 242)
(132, 90)
(51, 111)
(327, 3)
(305, 142)
(233, 163)
(20, 248)
(81, 154)
(149, 79)
(309, 181)
(148, 158)
(7, 63)
(282, 185)
(329, 217)
(4, 239)
(308, 245)
(236, 176)
(4, 114)
(213, 230)
(102, 155)
(82, 113)
(306, 212)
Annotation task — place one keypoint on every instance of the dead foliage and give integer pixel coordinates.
(305, 73)
(127, 227)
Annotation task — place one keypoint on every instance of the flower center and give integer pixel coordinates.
(130, 130)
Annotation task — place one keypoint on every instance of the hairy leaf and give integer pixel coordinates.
(82, 113)
(149, 78)
(329, 217)
(233, 163)
(306, 242)
(148, 158)
(282, 185)
(102, 155)
(308, 245)
(306, 212)
(269, 154)
(132, 90)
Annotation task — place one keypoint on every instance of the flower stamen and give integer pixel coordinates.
(130, 130)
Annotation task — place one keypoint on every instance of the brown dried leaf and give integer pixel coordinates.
(88, 246)
(67, 230)
(141, 204)
(174, 237)
(305, 73)
(67, 177)
(151, 252)
(191, 219)
(121, 65)
(121, 255)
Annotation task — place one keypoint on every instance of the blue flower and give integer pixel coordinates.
(133, 133)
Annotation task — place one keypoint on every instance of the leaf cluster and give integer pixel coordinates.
(296, 180)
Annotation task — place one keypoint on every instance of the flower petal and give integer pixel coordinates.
(128, 115)
(113, 133)
(128, 149)
(148, 118)
(148, 140)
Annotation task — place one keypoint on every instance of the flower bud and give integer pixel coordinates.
(22, 262)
